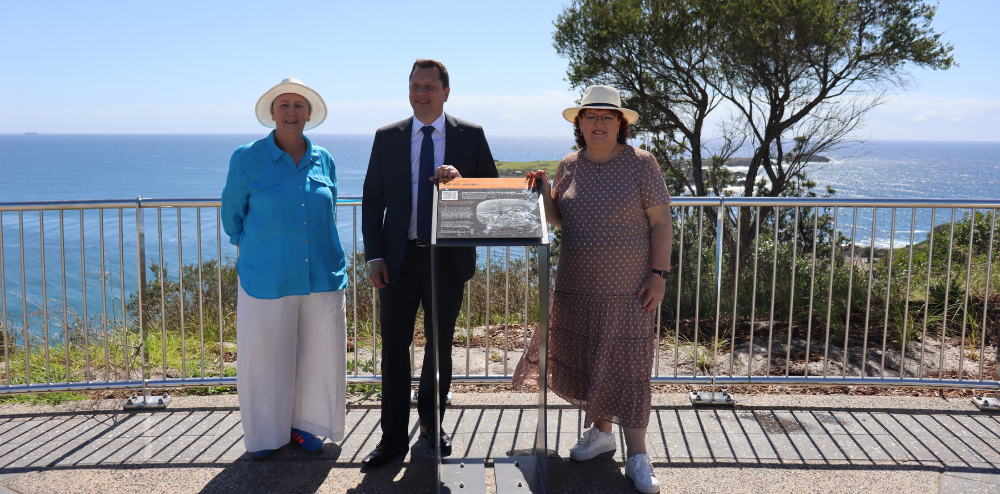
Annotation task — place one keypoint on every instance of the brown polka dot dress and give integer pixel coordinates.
(601, 342)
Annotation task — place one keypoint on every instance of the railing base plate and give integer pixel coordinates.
(986, 403)
(463, 475)
(413, 398)
(137, 402)
(719, 398)
(517, 475)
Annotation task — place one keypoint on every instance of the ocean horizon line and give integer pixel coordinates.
(561, 135)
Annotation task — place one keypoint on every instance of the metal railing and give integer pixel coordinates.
(812, 345)
(792, 295)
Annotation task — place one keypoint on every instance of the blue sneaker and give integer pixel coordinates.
(308, 442)
(260, 455)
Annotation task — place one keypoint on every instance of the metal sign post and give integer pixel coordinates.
(520, 473)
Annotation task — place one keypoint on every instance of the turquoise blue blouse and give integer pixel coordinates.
(282, 218)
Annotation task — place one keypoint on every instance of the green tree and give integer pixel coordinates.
(794, 78)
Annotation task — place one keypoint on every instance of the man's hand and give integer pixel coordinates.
(446, 172)
(378, 274)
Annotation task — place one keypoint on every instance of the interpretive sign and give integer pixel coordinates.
(487, 208)
(494, 212)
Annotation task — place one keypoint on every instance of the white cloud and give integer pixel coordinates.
(919, 117)
(926, 117)
(537, 113)
(141, 119)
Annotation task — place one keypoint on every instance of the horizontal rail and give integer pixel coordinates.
(209, 382)
(859, 202)
(676, 201)
(131, 203)
(503, 380)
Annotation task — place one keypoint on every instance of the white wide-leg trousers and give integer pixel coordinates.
(291, 355)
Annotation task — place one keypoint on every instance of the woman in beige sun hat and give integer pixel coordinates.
(278, 206)
(612, 204)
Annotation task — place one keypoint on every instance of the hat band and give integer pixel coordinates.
(607, 105)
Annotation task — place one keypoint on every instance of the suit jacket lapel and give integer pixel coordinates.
(401, 161)
(452, 138)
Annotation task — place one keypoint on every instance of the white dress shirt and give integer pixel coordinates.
(416, 141)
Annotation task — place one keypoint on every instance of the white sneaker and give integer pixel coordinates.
(592, 443)
(638, 469)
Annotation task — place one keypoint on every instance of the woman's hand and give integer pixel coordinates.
(652, 291)
(541, 179)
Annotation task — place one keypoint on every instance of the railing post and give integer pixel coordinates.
(140, 245)
(713, 398)
(146, 401)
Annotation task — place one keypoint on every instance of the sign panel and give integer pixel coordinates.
(471, 208)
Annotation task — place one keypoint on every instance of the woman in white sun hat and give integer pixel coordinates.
(278, 206)
(612, 204)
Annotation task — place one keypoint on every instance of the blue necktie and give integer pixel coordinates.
(425, 188)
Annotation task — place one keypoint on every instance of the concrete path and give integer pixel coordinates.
(768, 443)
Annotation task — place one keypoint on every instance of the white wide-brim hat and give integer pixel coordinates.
(291, 85)
(601, 98)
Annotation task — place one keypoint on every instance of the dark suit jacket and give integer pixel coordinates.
(388, 194)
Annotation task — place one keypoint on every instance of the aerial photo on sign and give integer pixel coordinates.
(488, 207)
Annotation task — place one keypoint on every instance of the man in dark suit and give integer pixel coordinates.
(406, 158)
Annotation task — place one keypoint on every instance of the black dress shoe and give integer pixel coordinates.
(385, 452)
(425, 433)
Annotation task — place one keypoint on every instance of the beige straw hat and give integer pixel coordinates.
(601, 98)
(291, 85)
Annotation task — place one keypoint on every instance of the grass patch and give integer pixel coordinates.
(42, 398)
(519, 168)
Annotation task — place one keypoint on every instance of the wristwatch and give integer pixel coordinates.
(661, 272)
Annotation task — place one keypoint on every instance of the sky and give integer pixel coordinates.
(180, 67)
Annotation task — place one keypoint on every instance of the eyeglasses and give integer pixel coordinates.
(608, 118)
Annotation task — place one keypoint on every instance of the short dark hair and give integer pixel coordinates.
(426, 63)
(622, 128)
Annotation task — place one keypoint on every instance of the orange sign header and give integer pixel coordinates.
(484, 183)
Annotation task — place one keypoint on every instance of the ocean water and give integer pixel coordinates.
(91, 167)
(79, 167)
(914, 169)
(908, 170)
(83, 167)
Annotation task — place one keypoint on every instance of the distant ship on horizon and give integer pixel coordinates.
(30, 133)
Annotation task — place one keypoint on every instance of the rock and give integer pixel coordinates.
(157, 373)
(818, 159)
(737, 162)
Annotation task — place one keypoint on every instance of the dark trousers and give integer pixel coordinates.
(398, 312)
